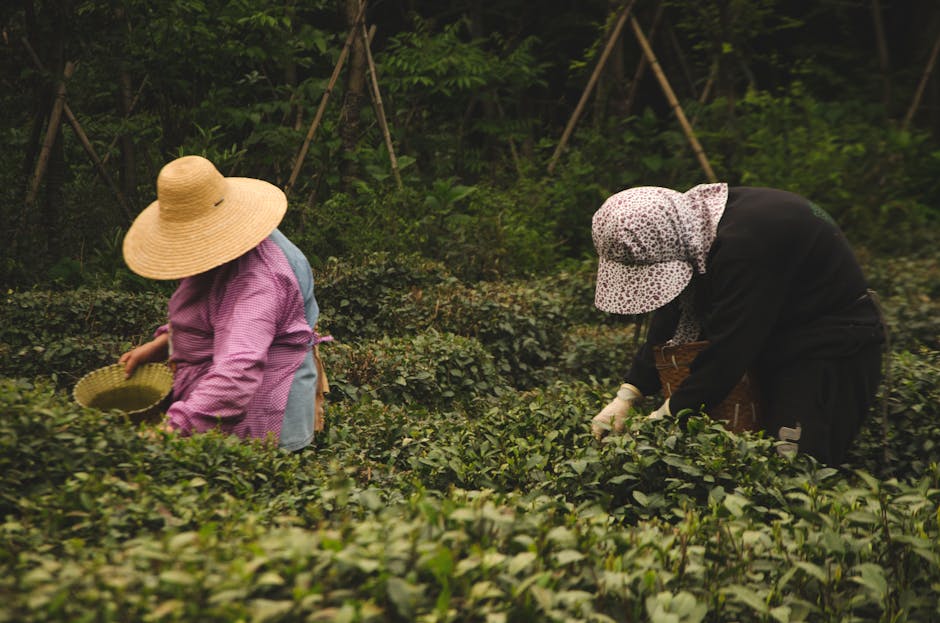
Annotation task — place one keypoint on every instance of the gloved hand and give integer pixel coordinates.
(661, 412)
(612, 416)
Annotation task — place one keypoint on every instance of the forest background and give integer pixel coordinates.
(457, 478)
(828, 98)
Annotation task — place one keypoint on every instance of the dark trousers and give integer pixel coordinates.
(827, 399)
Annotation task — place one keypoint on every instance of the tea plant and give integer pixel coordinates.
(457, 478)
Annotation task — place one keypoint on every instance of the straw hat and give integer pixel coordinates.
(200, 220)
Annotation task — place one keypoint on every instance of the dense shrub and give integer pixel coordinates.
(374, 296)
(431, 369)
(700, 524)
(457, 478)
(520, 324)
(66, 334)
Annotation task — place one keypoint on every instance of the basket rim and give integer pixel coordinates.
(158, 368)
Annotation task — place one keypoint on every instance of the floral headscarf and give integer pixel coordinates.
(649, 241)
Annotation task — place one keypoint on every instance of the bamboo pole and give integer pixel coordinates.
(883, 57)
(641, 64)
(590, 85)
(52, 129)
(923, 83)
(673, 102)
(90, 150)
(83, 139)
(130, 108)
(299, 160)
(380, 108)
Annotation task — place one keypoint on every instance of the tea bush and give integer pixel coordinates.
(715, 527)
(431, 369)
(457, 478)
(66, 334)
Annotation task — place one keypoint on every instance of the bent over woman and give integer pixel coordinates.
(770, 281)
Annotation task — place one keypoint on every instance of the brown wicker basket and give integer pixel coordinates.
(740, 411)
(142, 397)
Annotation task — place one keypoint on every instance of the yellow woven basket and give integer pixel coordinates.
(140, 397)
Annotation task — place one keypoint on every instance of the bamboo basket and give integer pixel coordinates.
(142, 397)
(740, 411)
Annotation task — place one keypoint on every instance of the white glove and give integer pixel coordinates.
(661, 412)
(612, 416)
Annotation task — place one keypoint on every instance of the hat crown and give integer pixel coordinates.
(635, 233)
(189, 188)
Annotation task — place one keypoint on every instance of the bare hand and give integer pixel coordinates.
(153, 351)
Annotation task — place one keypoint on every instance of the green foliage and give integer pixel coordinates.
(404, 513)
(442, 491)
(902, 436)
(867, 174)
(446, 73)
(909, 288)
(431, 369)
(66, 334)
(375, 295)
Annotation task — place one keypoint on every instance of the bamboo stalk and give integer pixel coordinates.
(673, 102)
(82, 137)
(130, 108)
(883, 58)
(299, 160)
(641, 65)
(923, 83)
(52, 129)
(90, 150)
(615, 33)
(380, 108)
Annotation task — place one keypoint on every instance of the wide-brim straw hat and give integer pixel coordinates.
(200, 220)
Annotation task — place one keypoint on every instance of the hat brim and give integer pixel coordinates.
(161, 249)
(637, 289)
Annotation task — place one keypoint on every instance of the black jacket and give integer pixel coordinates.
(781, 284)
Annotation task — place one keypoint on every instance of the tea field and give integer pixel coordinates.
(457, 479)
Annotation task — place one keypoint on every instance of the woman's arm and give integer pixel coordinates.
(154, 351)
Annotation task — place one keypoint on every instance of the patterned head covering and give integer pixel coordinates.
(649, 241)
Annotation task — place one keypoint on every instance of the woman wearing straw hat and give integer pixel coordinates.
(240, 321)
(769, 281)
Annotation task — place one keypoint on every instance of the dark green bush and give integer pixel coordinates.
(909, 446)
(604, 353)
(909, 289)
(66, 334)
(436, 370)
(374, 296)
(522, 325)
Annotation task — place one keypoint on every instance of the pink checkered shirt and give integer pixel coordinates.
(238, 333)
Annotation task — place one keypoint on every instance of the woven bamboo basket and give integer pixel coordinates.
(142, 397)
(740, 411)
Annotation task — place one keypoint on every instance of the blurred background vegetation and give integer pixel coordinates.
(829, 98)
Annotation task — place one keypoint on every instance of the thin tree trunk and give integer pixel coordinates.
(350, 116)
(923, 83)
(592, 81)
(642, 64)
(128, 174)
(883, 57)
